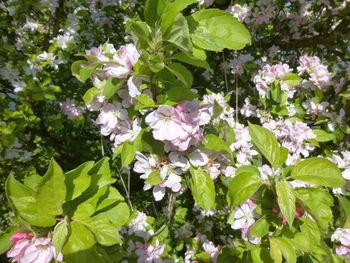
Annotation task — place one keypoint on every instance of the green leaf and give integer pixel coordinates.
(215, 143)
(87, 208)
(33, 181)
(24, 203)
(203, 189)
(146, 143)
(276, 92)
(5, 238)
(171, 10)
(153, 10)
(59, 235)
(178, 94)
(318, 171)
(77, 180)
(101, 173)
(80, 245)
(266, 143)
(85, 72)
(52, 191)
(90, 94)
(275, 251)
(154, 178)
(260, 227)
(292, 79)
(140, 31)
(243, 185)
(318, 203)
(118, 214)
(144, 101)
(178, 34)
(181, 73)
(106, 234)
(75, 68)
(323, 136)
(111, 87)
(227, 255)
(260, 254)
(344, 207)
(128, 154)
(214, 29)
(287, 249)
(190, 59)
(286, 200)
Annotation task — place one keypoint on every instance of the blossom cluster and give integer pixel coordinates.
(27, 249)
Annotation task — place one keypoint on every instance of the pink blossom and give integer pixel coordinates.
(213, 250)
(129, 55)
(241, 12)
(19, 236)
(110, 116)
(149, 253)
(69, 108)
(318, 72)
(245, 235)
(244, 215)
(177, 126)
(32, 250)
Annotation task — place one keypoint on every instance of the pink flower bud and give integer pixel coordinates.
(19, 236)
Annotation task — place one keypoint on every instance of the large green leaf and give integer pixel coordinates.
(80, 245)
(101, 173)
(203, 189)
(214, 29)
(106, 234)
(286, 200)
(24, 203)
(33, 181)
(318, 203)
(118, 214)
(318, 171)
(243, 185)
(178, 34)
(266, 143)
(52, 190)
(77, 180)
(87, 208)
(171, 10)
(110, 198)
